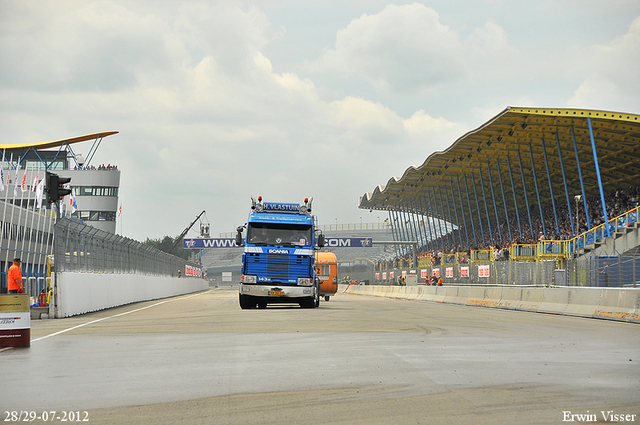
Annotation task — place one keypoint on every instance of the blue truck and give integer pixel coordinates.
(279, 255)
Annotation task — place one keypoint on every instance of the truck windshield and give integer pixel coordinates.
(279, 234)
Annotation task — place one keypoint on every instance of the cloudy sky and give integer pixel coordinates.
(216, 101)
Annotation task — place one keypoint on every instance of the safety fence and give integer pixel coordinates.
(82, 248)
(487, 273)
(602, 271)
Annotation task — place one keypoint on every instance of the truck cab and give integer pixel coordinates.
(279, 255)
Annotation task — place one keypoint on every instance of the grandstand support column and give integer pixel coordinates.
(394, 229)
(504, 200)
(455, 209)
(526, 198)
(515, 200)
(401, 229)
(495, 206)
(475, 192)
(406, 219)
(584, 195)
(464, 219)
(553, 201)
(486, 207)
(432, 232)
(595, 159)
(535, 181)
(421, 236)
(446, 228)
(473, 226)
(410, 224)
(446, 196)
(414, 221)
(564, 181)
(435, 206)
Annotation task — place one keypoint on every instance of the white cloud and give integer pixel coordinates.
(609, 76)
(400, 48)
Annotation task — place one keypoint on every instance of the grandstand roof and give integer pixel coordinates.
(57, 143)
(516, 132)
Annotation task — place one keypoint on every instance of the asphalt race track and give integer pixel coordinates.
(200, 359)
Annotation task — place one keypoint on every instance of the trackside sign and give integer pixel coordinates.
(348, 242)
(203, 243)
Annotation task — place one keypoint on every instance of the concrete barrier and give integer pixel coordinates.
(510, 297)
(79, 293)
(531, 299)
(604, 303)
(554, 300)
(583, 301)
(619, 304)
(477, 297)
(15, 321)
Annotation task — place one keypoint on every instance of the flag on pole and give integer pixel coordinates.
(15, 184)
(35, 182)
(72, 203)
(24, 180)
(2, 174)
(40, 192)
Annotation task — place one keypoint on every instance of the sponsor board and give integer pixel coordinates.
(348, 242)
(192, 271)
(15, 320)
(202, 243)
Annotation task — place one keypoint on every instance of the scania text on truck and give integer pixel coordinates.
(278, 258)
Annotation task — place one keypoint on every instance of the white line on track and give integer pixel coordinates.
(111, 317)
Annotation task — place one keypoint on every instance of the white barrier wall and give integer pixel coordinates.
(79, 293)
(602, 303)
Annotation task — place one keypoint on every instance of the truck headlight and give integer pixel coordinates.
(248, 279)
(305, 281)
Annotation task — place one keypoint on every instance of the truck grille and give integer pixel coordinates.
(279, 268)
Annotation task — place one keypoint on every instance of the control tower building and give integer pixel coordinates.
(94, 186)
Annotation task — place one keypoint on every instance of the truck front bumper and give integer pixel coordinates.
(276, 291)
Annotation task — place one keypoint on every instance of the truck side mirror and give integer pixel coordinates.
(320, 241)
(239, 236)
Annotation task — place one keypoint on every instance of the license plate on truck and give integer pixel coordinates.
(276, 292)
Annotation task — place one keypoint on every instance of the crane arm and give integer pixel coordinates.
(184, 232)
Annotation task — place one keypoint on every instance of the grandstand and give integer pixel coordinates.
(530, 185)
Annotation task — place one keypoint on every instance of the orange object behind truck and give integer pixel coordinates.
(327, 273)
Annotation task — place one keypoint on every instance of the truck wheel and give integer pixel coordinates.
(308, 303)
(316, 299)
(246, 302)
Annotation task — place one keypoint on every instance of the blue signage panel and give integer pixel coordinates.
(348, 242)
(201, 243)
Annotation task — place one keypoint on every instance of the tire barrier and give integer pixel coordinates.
(601, 303)
(15, 320)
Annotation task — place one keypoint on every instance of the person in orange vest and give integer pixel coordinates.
(440, 281)
(15, 278)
